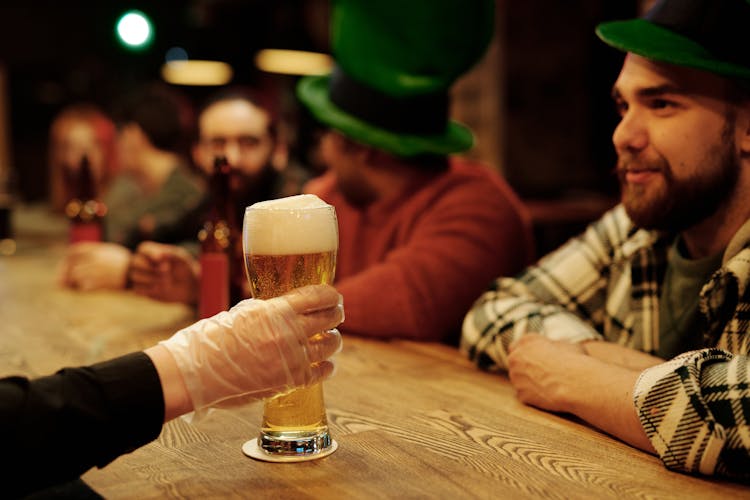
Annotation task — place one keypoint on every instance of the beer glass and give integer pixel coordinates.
(289, 243)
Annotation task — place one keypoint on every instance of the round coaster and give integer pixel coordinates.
(252, 450)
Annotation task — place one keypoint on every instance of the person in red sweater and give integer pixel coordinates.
(422, 234)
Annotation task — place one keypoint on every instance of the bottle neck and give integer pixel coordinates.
(220, 227)
(84, 205)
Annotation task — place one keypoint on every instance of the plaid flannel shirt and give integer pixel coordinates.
(605, 284)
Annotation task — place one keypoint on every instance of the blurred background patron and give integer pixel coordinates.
(243, 126)
(80, 130)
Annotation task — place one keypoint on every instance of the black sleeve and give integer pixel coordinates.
(55, 428)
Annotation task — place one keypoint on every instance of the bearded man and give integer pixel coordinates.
(641, 325)
(244, 126)
(240, 124)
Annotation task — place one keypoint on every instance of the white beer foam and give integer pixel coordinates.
(292, 225)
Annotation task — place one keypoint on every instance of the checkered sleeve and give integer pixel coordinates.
(695, 411)
(562, 297)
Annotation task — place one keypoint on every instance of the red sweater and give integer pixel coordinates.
(412, 268)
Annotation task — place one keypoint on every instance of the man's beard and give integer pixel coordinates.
(249, 189)
(676, 205)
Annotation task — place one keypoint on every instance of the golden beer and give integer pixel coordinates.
(289, 243)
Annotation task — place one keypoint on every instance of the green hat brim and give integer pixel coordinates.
(654, 42)
(313, 92)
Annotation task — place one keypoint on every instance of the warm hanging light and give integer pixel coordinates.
(293, 62)
(196, 72)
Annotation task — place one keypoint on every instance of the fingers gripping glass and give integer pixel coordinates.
(289, 243)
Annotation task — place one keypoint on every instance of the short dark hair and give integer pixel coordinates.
(257, 98)
(161, 112)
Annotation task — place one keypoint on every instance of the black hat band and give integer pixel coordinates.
(720, 26)
(415, 115)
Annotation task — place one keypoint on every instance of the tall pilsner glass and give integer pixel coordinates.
(289, 243)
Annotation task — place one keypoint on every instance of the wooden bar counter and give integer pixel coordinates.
(412, 420)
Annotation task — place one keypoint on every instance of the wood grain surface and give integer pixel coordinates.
(412, 420)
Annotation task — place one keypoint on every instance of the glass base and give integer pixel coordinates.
(294, 443)
(253, 449)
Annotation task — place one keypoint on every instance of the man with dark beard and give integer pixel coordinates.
(244, 127)
(641, 325)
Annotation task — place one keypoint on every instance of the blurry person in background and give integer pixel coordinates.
(641, 325)
(244, 126)
(155, 195)
(421, 232)
(80, 130)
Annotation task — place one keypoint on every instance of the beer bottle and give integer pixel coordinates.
(219, 237)
(84, 210)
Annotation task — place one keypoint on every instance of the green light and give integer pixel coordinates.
(134, 29)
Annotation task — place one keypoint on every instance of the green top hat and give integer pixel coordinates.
(396, 61)
(709, 35)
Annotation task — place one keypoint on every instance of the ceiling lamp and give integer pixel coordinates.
(196, 72)
(293, 62)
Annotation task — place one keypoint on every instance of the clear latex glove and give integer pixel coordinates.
(259, 347)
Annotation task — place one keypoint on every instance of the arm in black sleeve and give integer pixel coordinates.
(55, 428)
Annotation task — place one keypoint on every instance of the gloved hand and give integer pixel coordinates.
(259, 347)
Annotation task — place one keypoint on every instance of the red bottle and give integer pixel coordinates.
(219, 238)
(85, 211)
